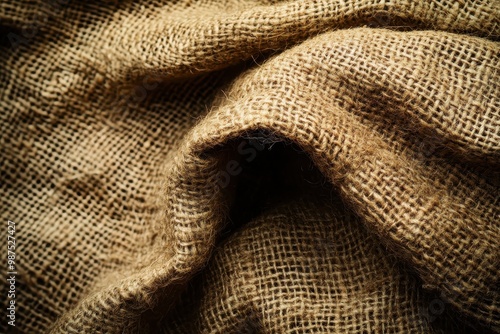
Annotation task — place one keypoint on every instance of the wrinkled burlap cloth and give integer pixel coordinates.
(252, 166)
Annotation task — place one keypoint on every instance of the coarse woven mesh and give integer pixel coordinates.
(304, 268)
(156, 157)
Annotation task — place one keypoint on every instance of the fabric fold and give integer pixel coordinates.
(133, 136)
(406, 198)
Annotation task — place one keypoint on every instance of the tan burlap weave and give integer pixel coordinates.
(250, 166)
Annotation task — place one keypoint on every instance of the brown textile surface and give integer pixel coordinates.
(247, 166)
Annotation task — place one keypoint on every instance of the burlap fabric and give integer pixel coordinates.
(252, 166)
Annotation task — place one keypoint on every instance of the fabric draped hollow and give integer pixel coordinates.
(252, 166)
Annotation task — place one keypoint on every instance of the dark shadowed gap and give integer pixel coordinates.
(260, 171)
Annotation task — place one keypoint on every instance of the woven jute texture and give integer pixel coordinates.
(250, 166)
